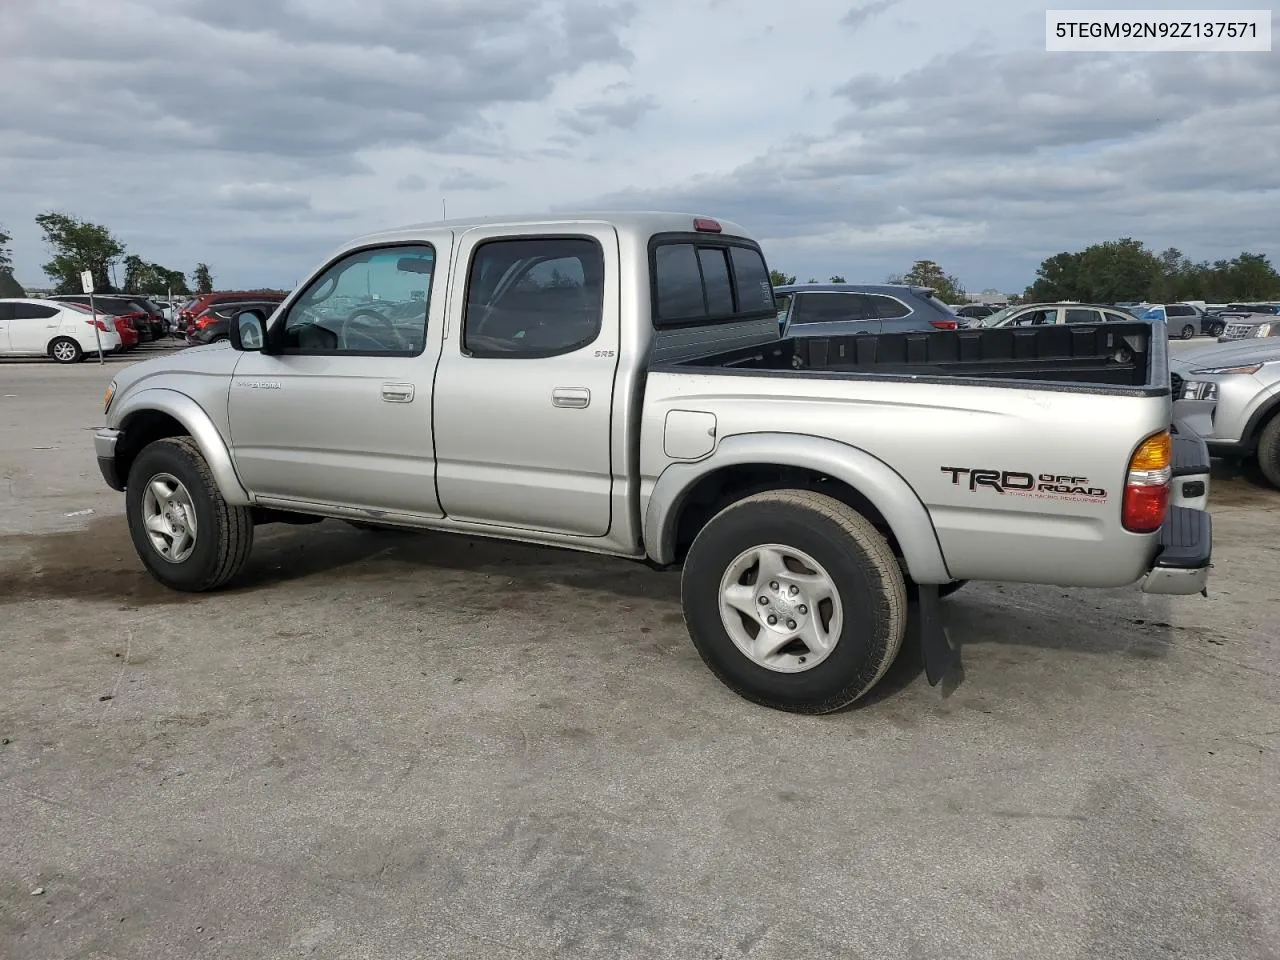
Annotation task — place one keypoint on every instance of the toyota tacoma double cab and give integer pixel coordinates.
(617, 384)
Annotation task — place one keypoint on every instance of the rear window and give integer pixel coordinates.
(935, 302)
(700, 280)
(891, 308)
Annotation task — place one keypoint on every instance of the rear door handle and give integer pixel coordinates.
(397, 392)
(570, 397)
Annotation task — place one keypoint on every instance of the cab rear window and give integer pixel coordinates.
(699, 280)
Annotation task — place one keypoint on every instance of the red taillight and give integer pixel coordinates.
(1146, 491)
(945, 324)
(202, 323)
(706, 225)
(99, 324)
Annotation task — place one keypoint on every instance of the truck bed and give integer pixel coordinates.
(1114, 357)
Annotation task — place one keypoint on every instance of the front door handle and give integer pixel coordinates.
(397, 392)
(570, 397)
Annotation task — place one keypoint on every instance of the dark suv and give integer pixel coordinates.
(211, 325)
(827, 309)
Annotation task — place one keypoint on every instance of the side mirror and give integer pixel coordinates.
(248, 331)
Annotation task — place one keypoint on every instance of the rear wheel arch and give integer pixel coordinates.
(687, 495)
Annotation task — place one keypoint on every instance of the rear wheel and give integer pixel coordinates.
(185, 533)
(66, 350)
(1188, 332)
(794, 600)
(1269, 451)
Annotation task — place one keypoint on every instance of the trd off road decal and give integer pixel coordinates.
(1016, 483)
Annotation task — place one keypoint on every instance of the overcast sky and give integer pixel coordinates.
(256, 135)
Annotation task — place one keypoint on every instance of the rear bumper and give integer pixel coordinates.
(104, 445)
(1181, 566)
(1191, 467)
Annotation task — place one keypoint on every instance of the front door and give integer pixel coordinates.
(339, 412)
(524, 390)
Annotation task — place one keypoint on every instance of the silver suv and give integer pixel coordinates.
(1230, 395)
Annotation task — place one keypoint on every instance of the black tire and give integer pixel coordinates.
(1269, 451)
(867, 577)
(1188, 332)
(70, 350)
(947, 589)
(224, 534)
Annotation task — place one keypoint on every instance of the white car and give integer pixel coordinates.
(51, 328)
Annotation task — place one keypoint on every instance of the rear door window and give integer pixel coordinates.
(33, 311)
(1083, 316)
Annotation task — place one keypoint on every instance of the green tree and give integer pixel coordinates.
(78, 245)
(202, 278)
(780, 279)
(9, 287)
(143, 277)
(926, 273)
(1250, 276)
(1116, 270)
(837, 279)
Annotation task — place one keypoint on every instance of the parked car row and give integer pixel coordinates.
(145, 318)
(51, 328)
(195, 308)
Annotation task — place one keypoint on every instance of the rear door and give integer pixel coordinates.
(6, 319)
(1083, 315)
(524, 387)
(32, 327)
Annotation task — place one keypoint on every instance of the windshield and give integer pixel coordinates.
(995, 318)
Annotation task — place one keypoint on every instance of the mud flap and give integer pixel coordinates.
(941, 657)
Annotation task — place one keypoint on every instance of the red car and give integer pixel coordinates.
(128, 335)
(204, 301)
(123, 325)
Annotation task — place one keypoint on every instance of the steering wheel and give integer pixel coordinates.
(369, 318)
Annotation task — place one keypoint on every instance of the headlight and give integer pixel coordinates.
(1199, 389)
(1262, 330)
(106, 397)
(1216, 371)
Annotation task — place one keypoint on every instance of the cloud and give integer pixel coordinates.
(465, 180)
(859, 15)
(606, 114)
(263, 196)
(257, 136)
(411, 183)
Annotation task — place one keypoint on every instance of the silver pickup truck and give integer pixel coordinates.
(617, 384)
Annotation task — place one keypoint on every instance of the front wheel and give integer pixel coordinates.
(1269, 451)
(1188, 332)
(66, 350)
(185, 533)
(794, 600)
